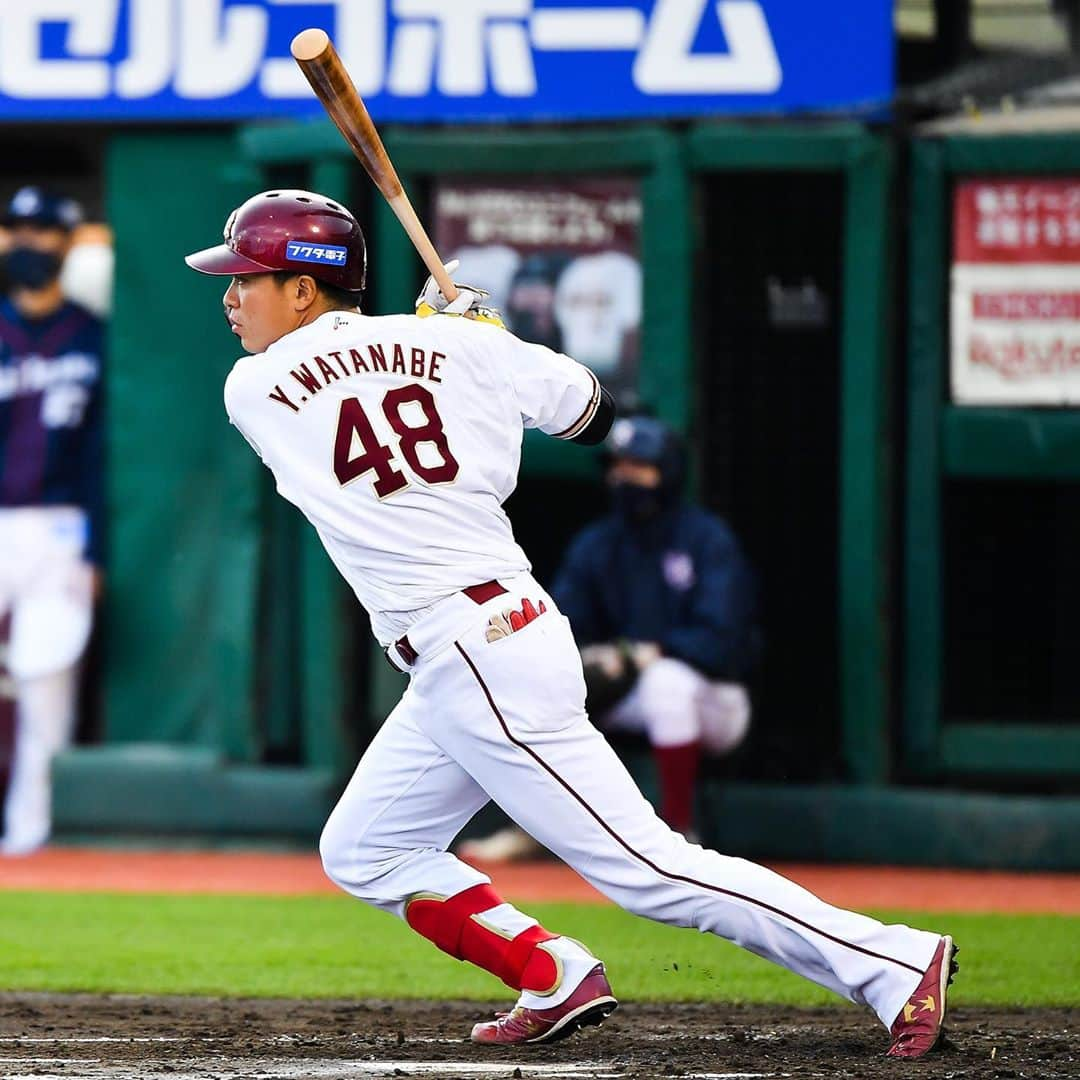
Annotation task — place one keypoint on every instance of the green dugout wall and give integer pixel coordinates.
(183, 500)
(667, 165)
(234, 703)
(197, 662)
(192, 694)
(1021, 448)
(651, 154)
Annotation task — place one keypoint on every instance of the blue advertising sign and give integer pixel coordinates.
(445, 60)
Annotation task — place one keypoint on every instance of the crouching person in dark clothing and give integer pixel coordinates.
(662, 601)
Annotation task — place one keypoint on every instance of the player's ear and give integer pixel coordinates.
(306, 292)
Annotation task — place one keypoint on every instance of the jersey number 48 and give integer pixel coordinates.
(354, 425)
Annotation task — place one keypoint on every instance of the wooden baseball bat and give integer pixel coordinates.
(318, 59)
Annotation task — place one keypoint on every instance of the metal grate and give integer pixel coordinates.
(1012, 590)
(767, 424)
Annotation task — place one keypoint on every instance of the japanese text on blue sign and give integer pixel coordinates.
(445, 60)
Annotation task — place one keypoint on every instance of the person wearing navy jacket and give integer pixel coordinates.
(50, 502)
(662, 602)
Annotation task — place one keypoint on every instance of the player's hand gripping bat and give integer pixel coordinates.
(318, 59)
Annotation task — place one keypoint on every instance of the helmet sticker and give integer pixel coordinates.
(328, 254)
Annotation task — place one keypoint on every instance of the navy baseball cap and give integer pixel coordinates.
(645, 438)
(39, 206)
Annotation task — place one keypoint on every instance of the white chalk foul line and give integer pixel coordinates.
(46, 1061)
(107, 1038)
(288, 1039)
(313, 1070)
(292, 1069)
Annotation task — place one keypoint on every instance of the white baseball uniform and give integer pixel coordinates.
(399, 438)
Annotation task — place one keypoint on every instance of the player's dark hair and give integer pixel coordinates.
(339, 298)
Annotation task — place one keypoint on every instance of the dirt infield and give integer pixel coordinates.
(135, 1038)
(282, 874)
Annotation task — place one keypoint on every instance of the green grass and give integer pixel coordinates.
(336, 947)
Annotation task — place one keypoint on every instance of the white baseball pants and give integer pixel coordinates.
(46, 587)
(673, 704)
(44, 722)
(505, 720)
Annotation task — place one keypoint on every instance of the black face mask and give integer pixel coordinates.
(28, 268)
(636, 504)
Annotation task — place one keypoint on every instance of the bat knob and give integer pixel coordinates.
(310, 44)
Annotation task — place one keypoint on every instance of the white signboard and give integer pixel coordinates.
(1016, 292)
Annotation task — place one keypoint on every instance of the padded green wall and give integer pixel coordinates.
(184, 488)
(1021, 445)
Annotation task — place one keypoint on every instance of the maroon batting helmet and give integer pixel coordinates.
(290, 230)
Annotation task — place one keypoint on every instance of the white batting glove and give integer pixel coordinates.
(643, 653)
(607, 656)
(468, 302)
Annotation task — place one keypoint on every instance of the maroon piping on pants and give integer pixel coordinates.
(648, 862)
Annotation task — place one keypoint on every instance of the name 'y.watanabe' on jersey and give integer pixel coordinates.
(361, 417)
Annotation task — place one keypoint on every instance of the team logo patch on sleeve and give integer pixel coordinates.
(679, 570)
(329, 254)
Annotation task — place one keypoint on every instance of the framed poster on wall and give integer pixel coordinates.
(1015, 337)
(561, 260)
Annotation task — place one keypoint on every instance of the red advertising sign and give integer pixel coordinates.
(1020, 221)
(1016, 292)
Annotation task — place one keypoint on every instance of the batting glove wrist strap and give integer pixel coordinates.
(468, 302)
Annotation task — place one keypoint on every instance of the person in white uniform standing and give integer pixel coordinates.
(51, 503)
(399, 438)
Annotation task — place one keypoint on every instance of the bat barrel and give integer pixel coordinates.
(314, 52)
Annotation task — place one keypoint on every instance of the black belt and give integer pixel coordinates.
(478, 594)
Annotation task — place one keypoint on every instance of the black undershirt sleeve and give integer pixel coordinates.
(595, 431)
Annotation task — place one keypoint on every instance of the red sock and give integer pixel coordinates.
(450, 925)
(677, 766)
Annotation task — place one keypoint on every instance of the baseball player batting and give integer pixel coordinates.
(399, 437)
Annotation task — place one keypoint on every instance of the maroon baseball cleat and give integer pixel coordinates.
(591, 1003)
(919, 1025)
